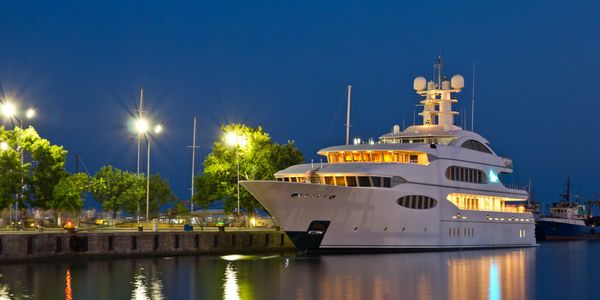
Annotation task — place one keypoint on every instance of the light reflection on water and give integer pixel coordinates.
(494, 274)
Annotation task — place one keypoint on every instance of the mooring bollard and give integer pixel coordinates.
(154, 224)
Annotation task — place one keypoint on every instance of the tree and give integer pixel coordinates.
(160, 193)
(48, 169)
(107, 188)
(69, 194)
(11, 170)
(119, 190)
(259, 159)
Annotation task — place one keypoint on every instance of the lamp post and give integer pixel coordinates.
(237, 141)
(9, 110)
(142, 127)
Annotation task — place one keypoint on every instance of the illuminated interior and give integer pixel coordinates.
(379, 156)
(485, 203)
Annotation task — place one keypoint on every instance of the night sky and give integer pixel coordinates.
(284, 65)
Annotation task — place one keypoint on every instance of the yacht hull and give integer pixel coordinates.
(326, 218)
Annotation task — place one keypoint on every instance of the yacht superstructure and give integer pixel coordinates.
(428, 187)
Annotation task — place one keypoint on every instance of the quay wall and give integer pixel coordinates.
(46, 246)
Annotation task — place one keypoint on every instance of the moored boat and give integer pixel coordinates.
(434, 186)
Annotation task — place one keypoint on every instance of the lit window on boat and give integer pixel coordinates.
(293, 179)
(286, 179)
(329, 180)
(339, 180)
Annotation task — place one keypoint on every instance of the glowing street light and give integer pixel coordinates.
(30, 113)
(3, 146)
(142, 126)
(8, 109)
(237, 141)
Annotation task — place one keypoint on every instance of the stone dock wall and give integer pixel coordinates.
(46, 246)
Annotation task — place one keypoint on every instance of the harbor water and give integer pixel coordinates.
(555, 270)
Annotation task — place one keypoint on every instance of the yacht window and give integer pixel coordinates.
(376, 181)
(414, 158)
(417, 202)
(329, 180)
(286, 179)
(351, 181)
(279, 179)
(387, 182)
(293, 179)
(477, 146)
(364, 181)
(456, 173)
(339, 180)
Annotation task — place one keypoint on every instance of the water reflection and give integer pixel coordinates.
(230, 286)
(146, 289)
(552, 270)
(68, 290)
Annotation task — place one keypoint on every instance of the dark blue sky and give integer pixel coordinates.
(285, 65)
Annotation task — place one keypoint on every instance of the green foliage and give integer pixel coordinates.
(11, 171)
(70, 192)
(119, 190)
(107, 188)
(259, 159)
(39, 178)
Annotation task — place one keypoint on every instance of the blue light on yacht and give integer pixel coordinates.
(493, 176)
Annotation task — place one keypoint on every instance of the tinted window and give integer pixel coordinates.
(475, 145)
(387, 182)
(364, 181)
(376, 181)
(417, 202)
(351, 181)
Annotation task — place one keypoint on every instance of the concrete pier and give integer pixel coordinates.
(47, 246)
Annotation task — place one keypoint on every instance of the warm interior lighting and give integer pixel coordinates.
(484, 203)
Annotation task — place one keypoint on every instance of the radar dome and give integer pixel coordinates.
(457, 82)
(420, 83)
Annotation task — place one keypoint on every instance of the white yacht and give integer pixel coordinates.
(433, 186)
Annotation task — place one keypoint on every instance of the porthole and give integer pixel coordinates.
(417, 202)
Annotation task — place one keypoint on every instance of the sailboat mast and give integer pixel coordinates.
(193, 165)
(348, 116)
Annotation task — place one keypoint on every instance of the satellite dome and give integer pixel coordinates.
(457, 82)
(420, 83)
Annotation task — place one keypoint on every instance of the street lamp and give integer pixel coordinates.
(237, 141)
(142, 126)
(9, 110)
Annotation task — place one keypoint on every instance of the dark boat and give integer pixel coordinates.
(568, 220)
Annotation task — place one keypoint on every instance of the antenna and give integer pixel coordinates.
(437, 71)
(473, 99)
(348, 116)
